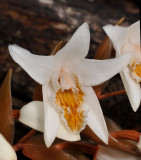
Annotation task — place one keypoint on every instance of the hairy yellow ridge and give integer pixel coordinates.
(69, 102)
(136, 67)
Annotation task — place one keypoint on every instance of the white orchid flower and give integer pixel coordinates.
(127, 40)
(6, 150)
(66, 80)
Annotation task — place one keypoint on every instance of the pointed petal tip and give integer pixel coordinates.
(135, 104)
(85, 28)
(12, 48)
(105, 137)
(48, 141)
(107, 27)
(85, 25)
(135, 108)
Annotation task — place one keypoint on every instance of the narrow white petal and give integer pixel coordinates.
(117, 36)
(95, 72)
(6, 150)
(105, 153)
(78, 46)
(51, 116)
(32, 115)
(132, 88)
(120, 35)
(95, 118)
(38, 67)
(133, 33)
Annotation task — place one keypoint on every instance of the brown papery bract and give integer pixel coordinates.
(114, 142)
(35, 149)
(6, 116)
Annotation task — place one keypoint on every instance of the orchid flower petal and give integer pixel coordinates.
(38, 67)
(32, 115)
(51, 116)
(95, 118)
(113, 32)
(77, 47)
(95, 72)
(105, 153)
(132, 88)
(120, 35)
(6, 150)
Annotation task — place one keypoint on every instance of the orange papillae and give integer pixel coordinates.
(136, 67)
(69, 102)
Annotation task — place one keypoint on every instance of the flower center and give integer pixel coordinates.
(135, 63)
(136, 68)
(69, 103)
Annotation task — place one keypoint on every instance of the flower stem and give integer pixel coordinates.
(83, 147)
(18, 145)
(16, 114)
(102, 96)
(126, 134)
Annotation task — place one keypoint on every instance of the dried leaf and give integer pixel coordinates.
(126, 134)
(127, 147)
(113, 143)
(78, 155)
(120, 21)
(57, 48)
(79, 146)
(106, 153)
(6, 116)
(111, 125)
(104, 50)
(35, 149)
(79, 150)
(88, 133)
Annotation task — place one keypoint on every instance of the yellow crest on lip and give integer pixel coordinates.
(69, 103)
(136, 68)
